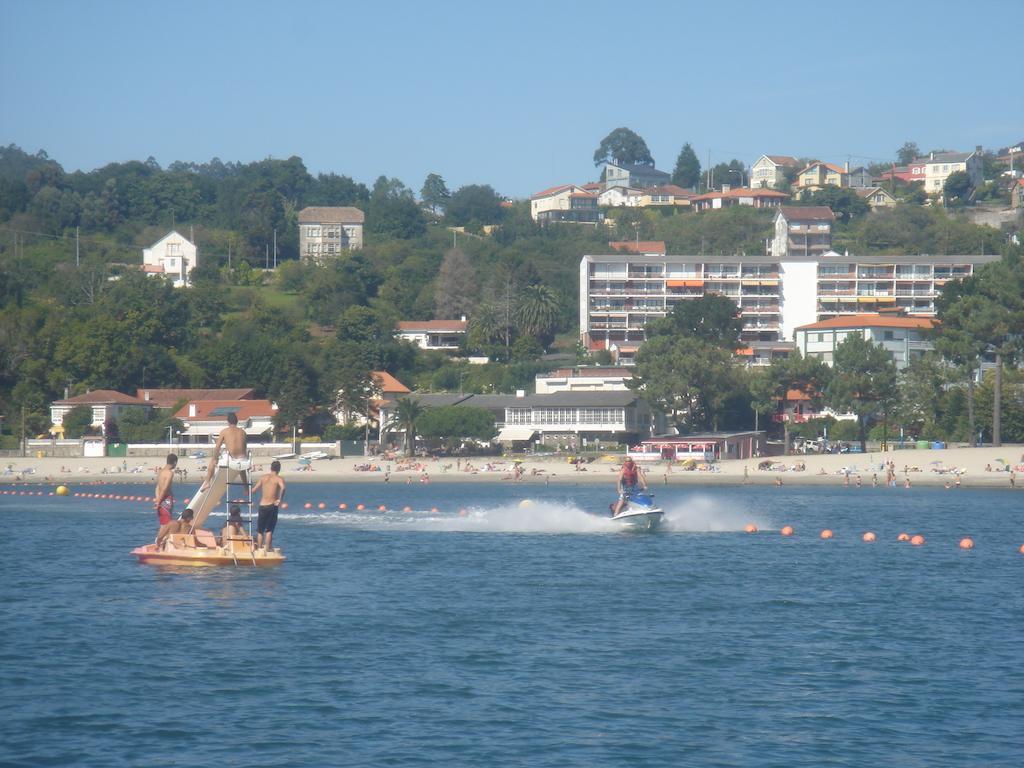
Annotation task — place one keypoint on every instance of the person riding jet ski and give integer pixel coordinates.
(630, 476)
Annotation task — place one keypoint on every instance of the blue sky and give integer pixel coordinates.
(516, 95)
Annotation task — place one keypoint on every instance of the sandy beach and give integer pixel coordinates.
(975, 467)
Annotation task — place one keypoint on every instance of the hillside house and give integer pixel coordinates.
(326, 232)
(634, 176)
(939, 165)
(173, 257)
(444, 335)
(757, 198)
(818, 175)
(769, 172)
(567, 203)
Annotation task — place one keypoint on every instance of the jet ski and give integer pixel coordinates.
(639, 512)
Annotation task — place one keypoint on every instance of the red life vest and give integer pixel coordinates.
(629, 474)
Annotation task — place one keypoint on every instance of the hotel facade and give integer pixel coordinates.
(620, 293)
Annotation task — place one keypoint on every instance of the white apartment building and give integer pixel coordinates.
(326, 232)
(902, 337)
(173, 256)
(620, 293)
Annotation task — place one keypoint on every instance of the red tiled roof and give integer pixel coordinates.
(783, 159)
(389, 384)
(155, 269)
(452, 326)
(102, 397)
(243, 409)
(644, 246)
(741, 192)
(165, 398)
(552, 191)
(870, 321)
(807, 212)
(830, 166)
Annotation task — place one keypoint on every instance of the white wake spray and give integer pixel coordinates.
(704, 514)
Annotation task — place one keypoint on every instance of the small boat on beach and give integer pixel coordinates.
(640, 513)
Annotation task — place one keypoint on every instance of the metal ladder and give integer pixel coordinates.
(244, 498)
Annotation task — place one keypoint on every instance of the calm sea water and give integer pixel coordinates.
(529, 636)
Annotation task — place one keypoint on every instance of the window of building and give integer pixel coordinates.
(887, 335)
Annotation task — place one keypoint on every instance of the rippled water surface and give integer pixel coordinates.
(489, 633)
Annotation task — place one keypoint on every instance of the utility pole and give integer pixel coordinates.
(24, 444)
(266, 260)
(275, 247)
(78, 262)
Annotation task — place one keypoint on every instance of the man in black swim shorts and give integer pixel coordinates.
(271, 490)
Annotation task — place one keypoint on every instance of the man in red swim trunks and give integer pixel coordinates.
(164, 501)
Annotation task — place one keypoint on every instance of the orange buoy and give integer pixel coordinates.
(307, 505)
(1021, 550)
(966, 543)
(827, 534)
(868, 536)
(343, 506)
(903, 537)
(321, 505)
(463, 512)
(284, 505)
(382, 508)
(407, 509)
(433, 509)
(787, 530)
(360, 506)
(750, 528)
(917, 540)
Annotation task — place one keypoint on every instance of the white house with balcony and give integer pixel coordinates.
(173, 256)
(905, 338)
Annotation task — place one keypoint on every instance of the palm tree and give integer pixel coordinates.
(537, 311)
(407, 414)
(487, 325)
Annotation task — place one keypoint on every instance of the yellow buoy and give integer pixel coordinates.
(62, 490)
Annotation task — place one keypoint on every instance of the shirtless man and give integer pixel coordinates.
(231, 439)
(271, 490)
(163, 502)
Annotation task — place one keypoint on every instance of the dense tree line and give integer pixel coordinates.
(75, 314)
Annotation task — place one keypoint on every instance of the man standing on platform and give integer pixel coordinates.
(164, 499)
(271, 490)
(232, 442)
